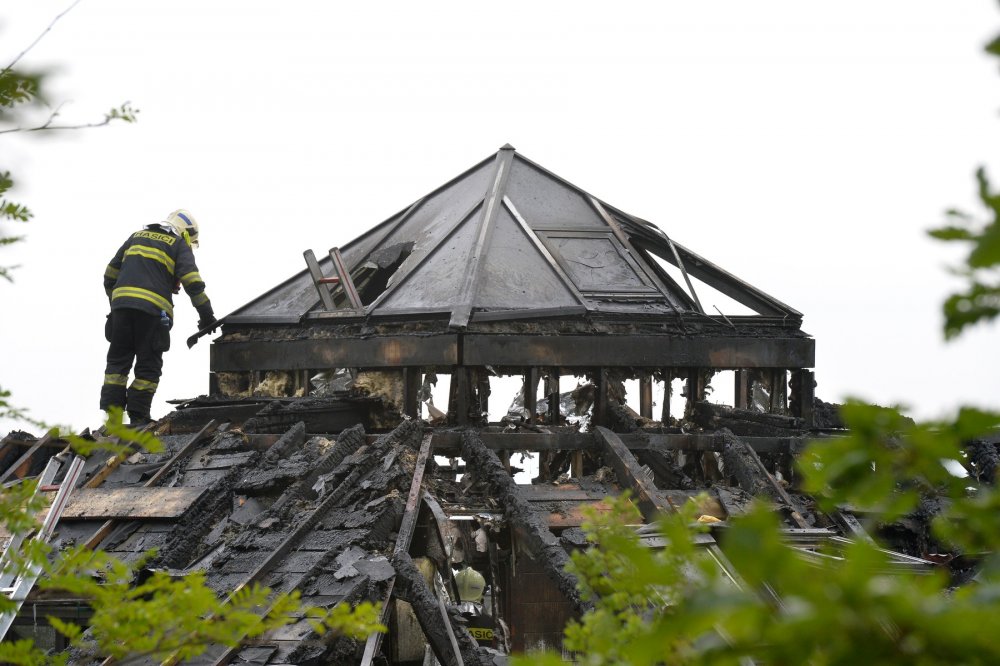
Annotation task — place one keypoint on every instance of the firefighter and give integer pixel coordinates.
(154, 263)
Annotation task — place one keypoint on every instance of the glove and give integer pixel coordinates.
(207, 322)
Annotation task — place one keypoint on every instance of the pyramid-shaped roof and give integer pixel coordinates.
(508, 239)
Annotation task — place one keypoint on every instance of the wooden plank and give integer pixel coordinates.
(346, 283)
(104, 530)
(110, 465)
(630, 474)
(317, 276)
(130, 503)
(572, 515)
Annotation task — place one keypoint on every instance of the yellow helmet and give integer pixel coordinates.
(186, 226)
(470, 584)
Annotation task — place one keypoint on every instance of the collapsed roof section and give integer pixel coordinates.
(343, 516)
(509, 266)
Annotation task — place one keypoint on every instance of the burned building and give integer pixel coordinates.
(510, 270)
(319, 461)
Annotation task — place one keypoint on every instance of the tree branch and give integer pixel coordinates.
(124, 112)
(39, 38)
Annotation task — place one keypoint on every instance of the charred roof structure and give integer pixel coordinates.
(509, 266)
(320, 463)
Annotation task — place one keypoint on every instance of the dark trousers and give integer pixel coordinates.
(135, 336)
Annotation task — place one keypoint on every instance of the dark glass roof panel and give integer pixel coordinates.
(546, 202)
(437, 282)
(515, 275)
(440, 212)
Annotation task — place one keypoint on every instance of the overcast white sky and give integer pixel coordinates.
(803, 146)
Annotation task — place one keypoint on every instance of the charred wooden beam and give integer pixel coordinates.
(374, 352)
(668, 474)
(601, 397)
(631, 474)
(638, 351)
(744, 421)
(741, 391)
(403, 538)
(412, 379)
(668, 377)
(742, 461)
(13, 470)
(529, 524)
(552, 395)
(779, 391)
(695, 390)
(451, 642)
(803, 385)
(646, 396)
(531, 378)
(459, 398)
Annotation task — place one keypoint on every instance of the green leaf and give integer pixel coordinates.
(951, 234)
(993, 47)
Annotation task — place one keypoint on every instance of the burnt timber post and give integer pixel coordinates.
(646, 396)
(531, 393)
(803, 385)
(741, 392)
(552, 394)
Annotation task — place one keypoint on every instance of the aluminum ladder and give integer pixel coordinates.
(16, 585)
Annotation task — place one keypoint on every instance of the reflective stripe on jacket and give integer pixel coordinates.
(145, 269)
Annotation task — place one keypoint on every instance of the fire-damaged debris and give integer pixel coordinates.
(538, 540)
(912, 533)
(984, 460)
(668, 474)
(743, 463)
(449, 639)
(826, 415)
(739, 463)
(321, 414)
(331, 382)
(743, 422)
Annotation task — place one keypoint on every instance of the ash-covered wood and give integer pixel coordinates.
(984, 459)
(412, 588)
(745, 421)
(668, 474)
(739, 463)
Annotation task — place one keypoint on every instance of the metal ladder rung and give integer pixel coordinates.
(17, 587)
(341, 279)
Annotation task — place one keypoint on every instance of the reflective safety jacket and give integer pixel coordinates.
(146, 270)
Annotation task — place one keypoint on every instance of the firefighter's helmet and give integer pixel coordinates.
(185, 225)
